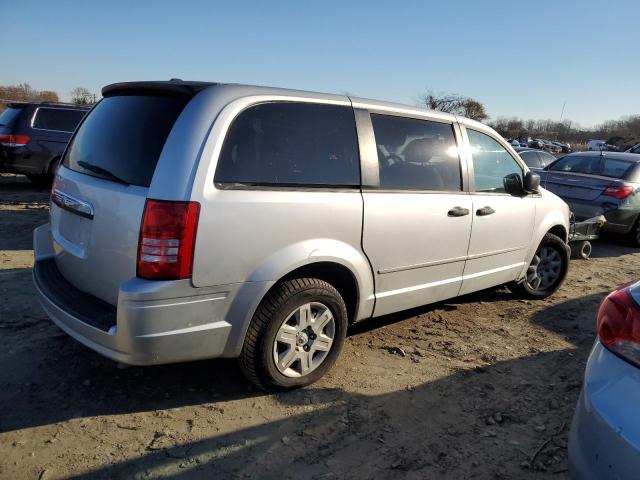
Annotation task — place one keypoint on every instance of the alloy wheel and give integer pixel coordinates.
(545, 269)
(304, 339)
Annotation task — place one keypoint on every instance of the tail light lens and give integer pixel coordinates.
(618, 325)
(14, 140)
(167, 239)
(618, 191)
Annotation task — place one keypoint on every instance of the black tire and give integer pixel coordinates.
(257, 357)
(581, 250)
(528, 288)
(634, 234)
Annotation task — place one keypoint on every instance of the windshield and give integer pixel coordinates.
(123, 136)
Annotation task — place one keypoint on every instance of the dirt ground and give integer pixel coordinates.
(482, 387)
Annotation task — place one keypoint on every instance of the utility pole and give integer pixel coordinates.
(562, 113)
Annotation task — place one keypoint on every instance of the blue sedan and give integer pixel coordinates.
(604, 441)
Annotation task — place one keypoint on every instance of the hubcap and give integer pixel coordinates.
(545, 269)
(304, 340)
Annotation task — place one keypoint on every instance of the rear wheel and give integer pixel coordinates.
(547, 269)
(634, 234)
(295, 335)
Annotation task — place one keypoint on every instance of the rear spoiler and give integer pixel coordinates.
(171, 87)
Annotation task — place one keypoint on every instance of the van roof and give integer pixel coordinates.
(190, 88)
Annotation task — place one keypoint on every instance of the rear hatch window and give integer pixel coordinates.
(592, 165)
(8, 118)
(123, 136)
(58, 119)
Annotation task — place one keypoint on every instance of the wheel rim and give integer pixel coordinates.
(545, 269)
(304, 340)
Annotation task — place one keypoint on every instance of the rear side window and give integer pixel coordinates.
(416, 154)
(592, 165)
(62, 120)
(291, 144)
(9, 117)
(123, 136)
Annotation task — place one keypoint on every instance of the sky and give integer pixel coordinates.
(519, 58)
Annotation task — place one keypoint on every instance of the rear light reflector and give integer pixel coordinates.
(167, 239)
(618, 325)
(618, 191)
(14, 140)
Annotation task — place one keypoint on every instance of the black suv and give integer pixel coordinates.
(33, 137)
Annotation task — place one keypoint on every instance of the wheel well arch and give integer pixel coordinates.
(50, 167)
(559, 231)
(337, 275)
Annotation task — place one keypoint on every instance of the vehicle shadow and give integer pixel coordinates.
(575, 319)
(438, 429)
(612, 246)
(494, 294)
(20, 222)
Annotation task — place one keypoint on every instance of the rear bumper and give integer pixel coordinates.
(604, 441)
(619, 220)
(154, 322)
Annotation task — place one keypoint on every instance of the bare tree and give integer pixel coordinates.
(48, 96)
(454, 104)
(24, 93)
(82, 96)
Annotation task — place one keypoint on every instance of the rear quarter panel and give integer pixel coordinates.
(255, 235)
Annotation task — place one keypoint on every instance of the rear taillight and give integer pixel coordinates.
(618, 325)
(618, 191)
(14, 140)
(167, 239)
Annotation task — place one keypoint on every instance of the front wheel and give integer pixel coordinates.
(547, 269)
(295, 335)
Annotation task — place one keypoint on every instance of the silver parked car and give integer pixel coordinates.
(604, 441)
(196, 220)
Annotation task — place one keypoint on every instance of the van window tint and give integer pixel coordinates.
(491, 163)
(123, 137)
(64, 120)
(592, 165)
(416, 154)
(291, 144)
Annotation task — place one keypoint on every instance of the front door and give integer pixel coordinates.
(417, 221)
(502, 223)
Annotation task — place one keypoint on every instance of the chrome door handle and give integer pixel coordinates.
(458, 212)
(484, 211)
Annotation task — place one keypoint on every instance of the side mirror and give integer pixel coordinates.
(532, 183)
(513, 184)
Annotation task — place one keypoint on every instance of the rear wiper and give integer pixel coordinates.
(101, 171)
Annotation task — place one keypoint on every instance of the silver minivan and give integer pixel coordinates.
(194, 220)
